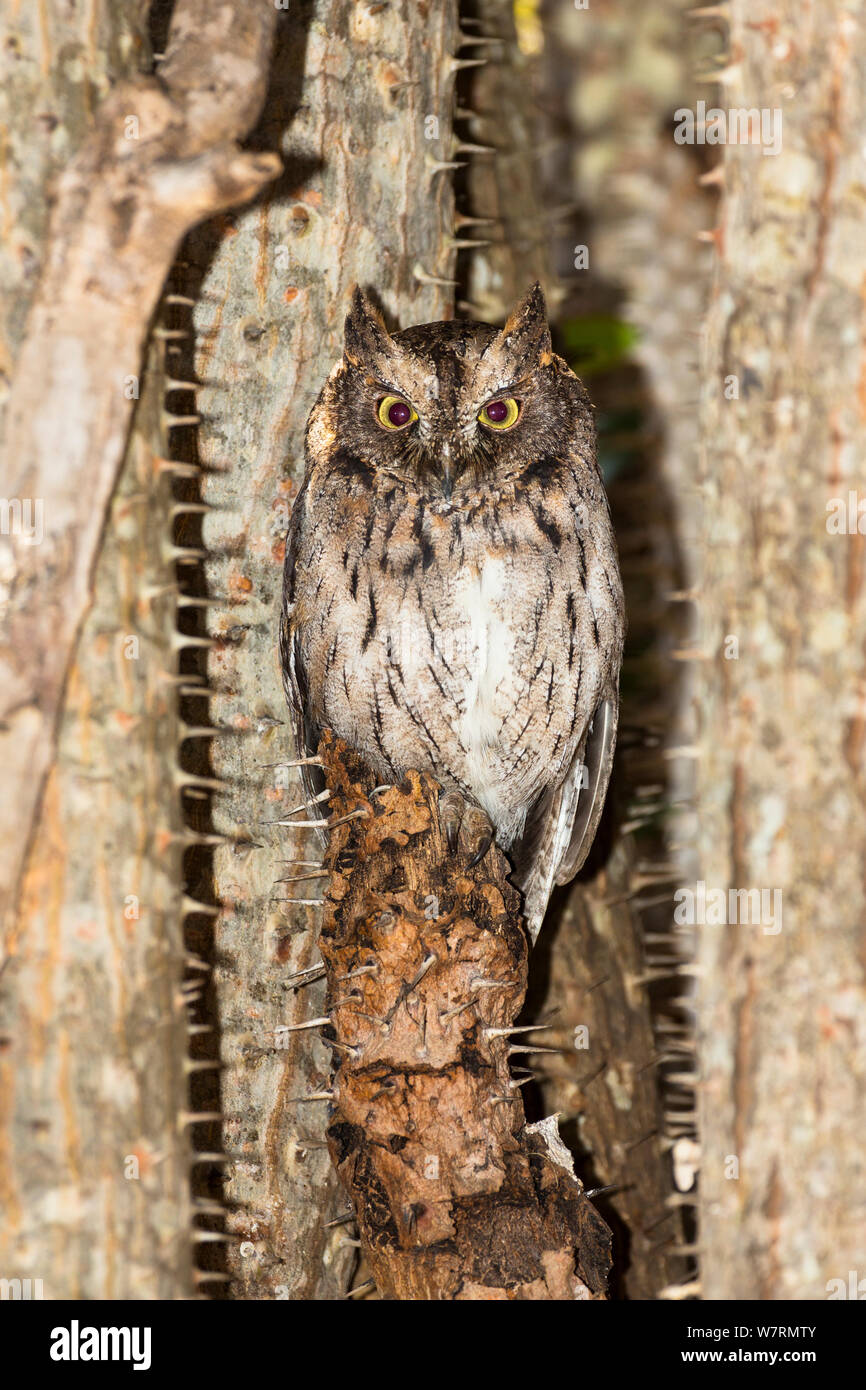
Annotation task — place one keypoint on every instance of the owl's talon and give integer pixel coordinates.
(486, 842)
(451, 814)
(461, 818)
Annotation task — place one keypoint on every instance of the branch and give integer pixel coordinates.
(162, 156)
(455, 1196)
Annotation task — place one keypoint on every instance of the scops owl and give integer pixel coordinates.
(452, 598)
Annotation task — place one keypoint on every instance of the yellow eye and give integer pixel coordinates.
(500, 414)
(395, 413)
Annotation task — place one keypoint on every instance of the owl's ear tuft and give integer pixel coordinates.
(525, 339)
(366, 338)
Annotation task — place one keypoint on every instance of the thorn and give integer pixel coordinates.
(196, 963)
(192, 905)
(302, 902)
(428, 961)
(183, 470)
(324, 824)
(173, 422)
(452, 1013)
(205, 1065)
(314, 1095)
(296, 1027)
(458, 64)
(456, 244)
(315, 972)
(425, 278)
(466, 147)
(314, 801)
(210, 1276)
(461, 220)
(177, 298)
(514, 1051)
(199, 508)
(302, 878)
(597, 1191)
(372, 969)
(190, 779)
(362, 1288)
(169, 334)
(198, 1117)
(437, 166)
(506, 1032)
(478, 983)
(340, 1220)
(207, 1237)
(677, 1292)
(477, 39)
(298, 762)
(303, 824)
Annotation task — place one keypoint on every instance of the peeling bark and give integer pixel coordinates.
(455, 1197)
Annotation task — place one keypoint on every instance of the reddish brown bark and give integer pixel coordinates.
(426, 959)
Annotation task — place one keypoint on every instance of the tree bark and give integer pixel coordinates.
(161, 155)
(360, 108)
(96, 1116)
(780, 676)
(426, 964)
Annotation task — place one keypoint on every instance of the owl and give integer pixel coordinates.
(452, 599)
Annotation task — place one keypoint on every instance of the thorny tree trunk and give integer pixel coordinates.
(95, 1152)
(780, 681)
(595, 964)
(455, 1196)
(360, 108)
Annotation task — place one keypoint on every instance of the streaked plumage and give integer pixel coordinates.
(452, 598)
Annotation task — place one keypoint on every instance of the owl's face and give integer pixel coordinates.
(449, 409)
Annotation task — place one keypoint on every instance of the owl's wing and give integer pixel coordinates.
(304, 727)
(561, 830)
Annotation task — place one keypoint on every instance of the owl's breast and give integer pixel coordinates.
(448, 645)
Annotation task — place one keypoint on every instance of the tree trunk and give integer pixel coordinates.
(780, 676)
(95, 1136)
(360, 108)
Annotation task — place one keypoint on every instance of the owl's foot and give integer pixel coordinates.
(459, 816)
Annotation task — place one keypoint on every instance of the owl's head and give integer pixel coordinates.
(453, 408)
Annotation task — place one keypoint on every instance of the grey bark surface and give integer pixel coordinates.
(95, 1123)
(781, 776)
(161, 154)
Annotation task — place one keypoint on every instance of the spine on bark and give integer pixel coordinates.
(455, 1196)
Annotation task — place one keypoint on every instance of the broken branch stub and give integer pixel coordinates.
(426, 959)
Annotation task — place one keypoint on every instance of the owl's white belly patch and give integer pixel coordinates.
(491, 687)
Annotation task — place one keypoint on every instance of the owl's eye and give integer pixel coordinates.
(394, 413)
(501, 414)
